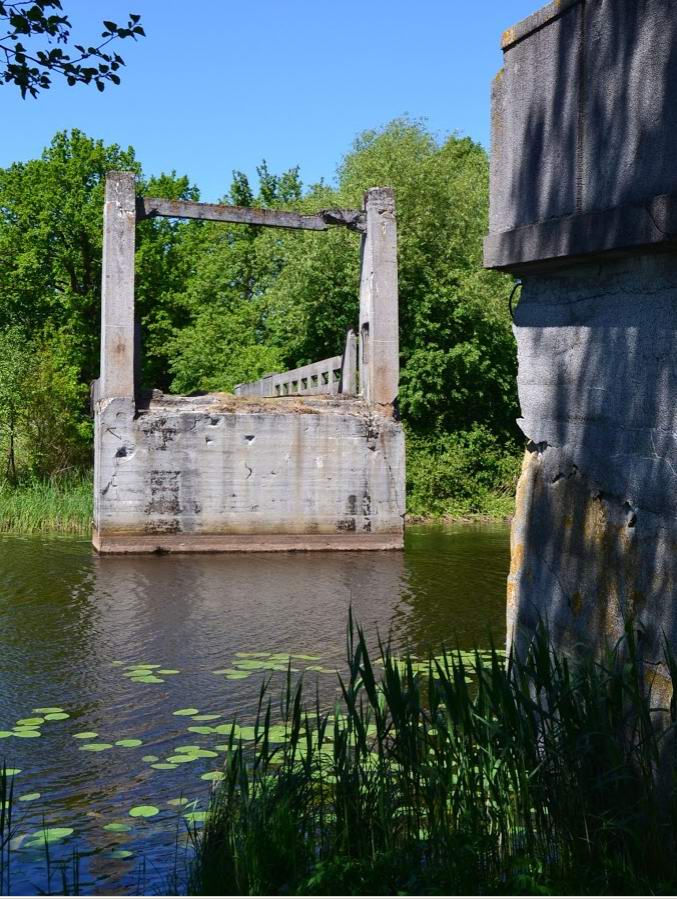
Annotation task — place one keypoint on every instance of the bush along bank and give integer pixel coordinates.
(465, 774)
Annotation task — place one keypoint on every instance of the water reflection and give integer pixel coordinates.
(66, 616)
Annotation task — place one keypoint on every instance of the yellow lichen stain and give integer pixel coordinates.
(507, 38)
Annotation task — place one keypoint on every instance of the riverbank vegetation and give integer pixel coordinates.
(53, 506)
(460, 775)
(220, 304)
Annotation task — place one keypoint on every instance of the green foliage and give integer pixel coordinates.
(33, 34)
(466, 775)
(60, 505)
(461, 473)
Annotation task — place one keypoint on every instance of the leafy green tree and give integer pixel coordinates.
(29, 31)
(15, 370)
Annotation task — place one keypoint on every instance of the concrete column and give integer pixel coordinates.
(349, 365)
(379, 326)
(117, 288)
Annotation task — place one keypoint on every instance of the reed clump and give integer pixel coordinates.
(60, 505)
(471, 775)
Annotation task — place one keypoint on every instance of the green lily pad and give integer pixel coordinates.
(117, 827)
(19, 732)
(150, 758)
(305, 658)
(201, 729)
(205, 717)
(226, 729)
(213, 775)
(180, 759)
(96, 747)
(186, 712)
(251, 665)
(169, 671)
(226, 671)
(49, 835)
(187, 750)
(56, 716)
(195, 817)
(116, 663)
(143, 811)
(164, 766)
(247, 733)
(121, 853)
(85, 735)
(144, 666)
(49, 710)
(5, 733)
(10, 772)
(29, 722)
(29, 797)
(129, 743)
(180, 801)
(240, 675)
(148, 679)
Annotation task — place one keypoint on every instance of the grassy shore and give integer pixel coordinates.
(455, 775)
(57, 506)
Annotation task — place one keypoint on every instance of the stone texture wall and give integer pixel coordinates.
(224, 473)
(595, 532)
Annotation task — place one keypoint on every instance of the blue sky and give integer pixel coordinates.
(218, 85)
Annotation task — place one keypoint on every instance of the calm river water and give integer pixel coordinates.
(79, 636)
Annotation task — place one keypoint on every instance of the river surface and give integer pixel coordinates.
(79, 634)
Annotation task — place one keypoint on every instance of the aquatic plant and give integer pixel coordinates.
(466, 775)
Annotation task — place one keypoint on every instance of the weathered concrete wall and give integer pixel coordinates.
(595, 532)
(224, 473)
(584, 131)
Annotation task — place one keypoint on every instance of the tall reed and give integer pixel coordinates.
(472, 776)
(59, 506)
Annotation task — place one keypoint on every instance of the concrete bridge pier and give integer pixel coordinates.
(309, 459)
(584, 212)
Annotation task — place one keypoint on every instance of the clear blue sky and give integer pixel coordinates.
(218, 85)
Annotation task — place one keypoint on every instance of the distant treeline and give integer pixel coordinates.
(220, 304)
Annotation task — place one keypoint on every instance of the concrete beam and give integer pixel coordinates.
(379, 322)
(117, 288)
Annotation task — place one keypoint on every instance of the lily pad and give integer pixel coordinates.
(180, 759)
(187, 750)
(145, 666)
(29, 722)
(85, 735)
(240, 675)
(117, 663)
(144, 811)
(5, 733)
(202, 729)
(48, 710)
(213, 775)
(226, 671)
(186, 712)
(56, 716)
(180, 801)
(251, 665)
(195, 817)
(150, 758)
(117, 827)
(169, 671)
(121, 853)
(49, 835)
(23, 732)
(148, 679)
(247, 733)
(96, 747)
(305, 658)
(29, 797)
(164, 766)
(10, 772)
(129, 743)
(205, 717)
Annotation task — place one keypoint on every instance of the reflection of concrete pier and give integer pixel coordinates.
(309, 459)
(584, 211)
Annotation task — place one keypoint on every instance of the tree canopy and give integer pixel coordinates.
(33, 38)
(220, 304)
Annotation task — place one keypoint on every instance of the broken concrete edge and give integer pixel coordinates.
(219, 543)
(535, 22)
(633, 225)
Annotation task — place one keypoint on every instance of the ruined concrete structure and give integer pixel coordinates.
(309, 459)
(584, 211)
